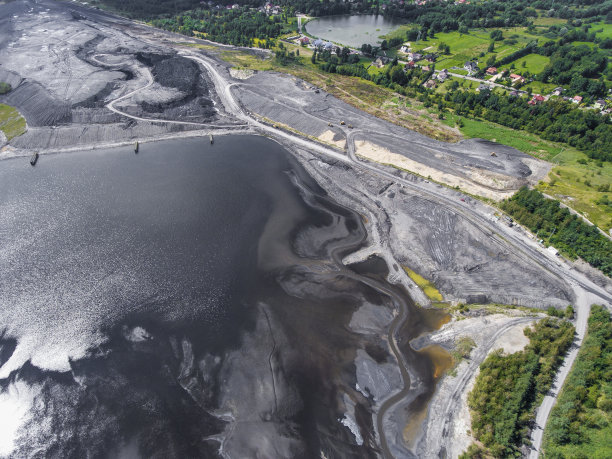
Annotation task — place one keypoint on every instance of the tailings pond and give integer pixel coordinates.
(187, 301)
(353, 30)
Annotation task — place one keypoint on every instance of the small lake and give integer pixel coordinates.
(353, 30)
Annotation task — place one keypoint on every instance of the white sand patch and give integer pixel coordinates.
(374, 152)
(328, 136)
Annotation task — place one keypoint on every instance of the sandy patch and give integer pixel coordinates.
(328, 136)
(241, 74)
(374, 152)
(513, 340)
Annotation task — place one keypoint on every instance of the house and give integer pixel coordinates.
(328, 46)
(515, 93)
(425, 68)
(430, 84)
(600, 104)
(471, 67)
(379, 62)
(431, 57)
(409, 65)
(404, 49)
(414, 57)
(577, 99)
(235, 6)
(536, 99)
(304, 40)
(483, 87)
(318, 43)
(491, 70)
(443, 75)
(557, 91)
(516, 78)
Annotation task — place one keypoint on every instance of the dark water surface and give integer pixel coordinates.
(182, 302)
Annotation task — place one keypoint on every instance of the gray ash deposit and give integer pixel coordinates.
(189, 301)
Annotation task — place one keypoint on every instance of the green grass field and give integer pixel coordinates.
(11, 122)
(576, 185)
(573, 183)
(534, 63)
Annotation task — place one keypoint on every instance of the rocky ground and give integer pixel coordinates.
(477, 166)
(67, 67)
(83, 79)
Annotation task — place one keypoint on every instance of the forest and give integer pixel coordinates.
(557, 226)
(239, 27)
(581, 418)
(509, 387)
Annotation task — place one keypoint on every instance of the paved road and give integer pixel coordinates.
(583, 307)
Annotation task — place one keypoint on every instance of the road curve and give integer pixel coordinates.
(520, 245)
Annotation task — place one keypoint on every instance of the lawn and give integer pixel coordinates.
(576, 185)
(12, 124)
(534, 63)
(573, 183)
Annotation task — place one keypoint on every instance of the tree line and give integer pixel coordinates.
(555, 119)
(509, 387)
(235, 27)
(584, 405)
(556, 225)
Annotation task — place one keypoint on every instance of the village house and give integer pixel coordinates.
(483, 87)
(430, 84)
(431, 57)
(491, 70)
(577, 99)
(536, 99)
(414, 57)
(515, 93)
(600, 104)
(557, 91)
(516, 78)
(304, 40)
(443, 75)
(425, 68)
(404, 49)
(379, 62)
(471, 67)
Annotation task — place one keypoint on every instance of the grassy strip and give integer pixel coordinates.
(430, 289)
(580, 421)
(576, 180)
(11, 122)
(509, 387)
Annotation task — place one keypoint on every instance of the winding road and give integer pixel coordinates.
(477, 213)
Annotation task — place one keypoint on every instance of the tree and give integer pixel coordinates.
(496, 35)
(491, 47)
